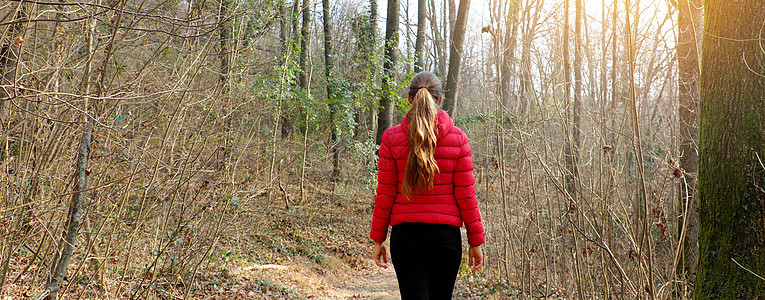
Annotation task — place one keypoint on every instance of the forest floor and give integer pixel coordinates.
(280, 249)
(318, 250)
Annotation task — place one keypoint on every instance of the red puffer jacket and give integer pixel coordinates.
(452, 199)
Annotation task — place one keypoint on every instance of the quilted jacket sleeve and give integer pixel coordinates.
(464, 191)
(387, 186)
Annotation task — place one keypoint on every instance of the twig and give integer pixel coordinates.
(750, 271)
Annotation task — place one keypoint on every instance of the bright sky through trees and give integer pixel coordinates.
(479, 11)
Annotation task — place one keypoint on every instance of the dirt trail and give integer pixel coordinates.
(376, 284)
(315, 283)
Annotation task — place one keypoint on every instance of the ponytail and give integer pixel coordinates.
(421, 166)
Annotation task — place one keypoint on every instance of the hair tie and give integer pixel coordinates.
(423, 87)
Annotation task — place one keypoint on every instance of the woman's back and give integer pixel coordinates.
(452, 199)
(426, 191)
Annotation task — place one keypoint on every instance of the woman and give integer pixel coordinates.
(426, 192)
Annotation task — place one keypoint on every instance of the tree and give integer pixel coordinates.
(78, 206)
(284, 30)
(530, 24)
(508, 51)
(9, 54)
(569, 151)
(439, 43)
(688, 47)
(731, 147)
(455, 58)
(329, 65)
(419, 44)
(305, 44)
(225, 36)
(577, 108)
(366, 56)
(389, 69)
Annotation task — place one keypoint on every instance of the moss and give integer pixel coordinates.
(731, 134)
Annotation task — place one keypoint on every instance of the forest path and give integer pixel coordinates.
(318, 283)
(378, 284)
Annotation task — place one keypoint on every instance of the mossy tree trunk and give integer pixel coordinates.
(732, 144)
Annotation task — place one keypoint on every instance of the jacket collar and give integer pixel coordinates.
(444, 123)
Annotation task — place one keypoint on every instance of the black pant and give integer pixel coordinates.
(426, 258)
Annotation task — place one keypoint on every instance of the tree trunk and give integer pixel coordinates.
(419, 44)
(284, 30)
(77, 207)
(304, 80)
(508, 52)
(389, 70)
(76, 213)
(577, 108)
(10, 51)
(455, 58)
(329, 65)
(372, 53)
(731, 173)
(295, 21)
(611, 137)
(285, 120)
(304, 45)
(439, 42)
(9, 55)
(527, 81)
(688, 47)
(373, 21)
(569, 177)
(225, 36)
(452, 15)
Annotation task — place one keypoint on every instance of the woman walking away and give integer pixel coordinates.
(426, 191)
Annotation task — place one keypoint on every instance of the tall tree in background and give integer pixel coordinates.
(611, 137)
(508, 51)
(367, 39)
(452, 14)
(329, 65)
(225, 36)
(688, 47)
(286, 121)
(284, 30)
(530, 24)
(732, 150)
(577, 108)
(455, 58)
(305, 44)
(439, 43)
(304, 80)
(389, 69)
(419, 44)
(9, 54)
(373, 21)
(569, 177)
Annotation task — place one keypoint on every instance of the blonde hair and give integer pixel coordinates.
(421, 166)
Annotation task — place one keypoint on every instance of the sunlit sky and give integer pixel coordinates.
(479, 9)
